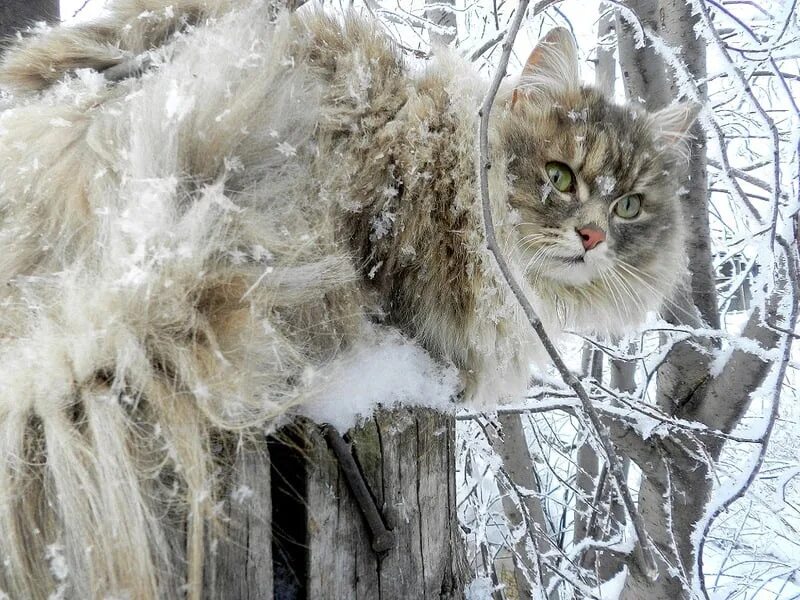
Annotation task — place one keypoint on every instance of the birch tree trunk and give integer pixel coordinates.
(444, 19)
(522, 505)
(676, 483)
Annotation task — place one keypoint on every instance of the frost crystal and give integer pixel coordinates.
(374, 270)
(54, 554)
(233, 164)
(575, 115)
(381, 225)
(546, 190)
(606, 184)
(287, 149)
(242, 493)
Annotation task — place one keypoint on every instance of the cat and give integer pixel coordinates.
(187, 251)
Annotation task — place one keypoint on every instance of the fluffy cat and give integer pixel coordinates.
(185, 249)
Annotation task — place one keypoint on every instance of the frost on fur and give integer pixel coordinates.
(172, 275)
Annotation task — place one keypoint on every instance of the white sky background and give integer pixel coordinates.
(91, 9)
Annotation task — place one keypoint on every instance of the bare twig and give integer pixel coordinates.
(487, 45)
(645, 556)
(792, 283)
(745, 85)
(80, 8)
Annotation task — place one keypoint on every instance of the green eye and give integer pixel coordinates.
(629, 206)
(560, 176)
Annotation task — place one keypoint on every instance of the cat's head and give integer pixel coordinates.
(595, 189)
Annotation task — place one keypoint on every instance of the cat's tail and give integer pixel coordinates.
(157, 303)
(128, 29)
(82, 482)
(118, 406)
(75, 468)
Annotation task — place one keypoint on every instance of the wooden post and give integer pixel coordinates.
(292, 528)
(407, 460)
(239, 551)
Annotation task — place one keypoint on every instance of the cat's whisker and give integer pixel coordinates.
(632, 292)
(613, 291)
(626, 287)
(640, 277)
(530, 243)
(632, 271)
(537, 260)
(537, 257)
(533, 237)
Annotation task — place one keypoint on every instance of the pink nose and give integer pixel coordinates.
(591, 236)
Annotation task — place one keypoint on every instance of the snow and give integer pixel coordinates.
(58, 563)
(546, 190)
(388, 372)
(606, 184)
(287, 149)
(382, 225)
(479, 588)
(241, 494)
(59, 122)
(178, 106)
(721, 357)
(611, 589)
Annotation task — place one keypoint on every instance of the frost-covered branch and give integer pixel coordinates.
(615, 467)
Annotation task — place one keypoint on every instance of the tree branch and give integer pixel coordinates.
(792, 282)
(645, 556)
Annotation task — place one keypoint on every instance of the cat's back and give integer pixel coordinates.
(230, 89)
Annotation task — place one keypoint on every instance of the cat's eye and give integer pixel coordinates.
(560, 176)
(628, 206)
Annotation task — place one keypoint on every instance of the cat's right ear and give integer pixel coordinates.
(553, 64)
(675, 120)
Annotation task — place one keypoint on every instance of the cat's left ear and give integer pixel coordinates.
(674, 121)
(553, 64)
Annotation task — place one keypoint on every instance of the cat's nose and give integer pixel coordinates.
(591, 236)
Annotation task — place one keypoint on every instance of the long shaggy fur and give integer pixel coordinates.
(184, 249)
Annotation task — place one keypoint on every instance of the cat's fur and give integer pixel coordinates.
(184, 249)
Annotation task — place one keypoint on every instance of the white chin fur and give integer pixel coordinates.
(570, 270)
(589, 297)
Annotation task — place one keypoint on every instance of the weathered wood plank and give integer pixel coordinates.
(239, 555)
(406, 457)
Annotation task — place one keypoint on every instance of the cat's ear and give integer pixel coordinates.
(674, 121)
(553, 64)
